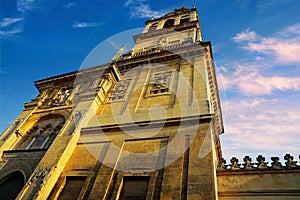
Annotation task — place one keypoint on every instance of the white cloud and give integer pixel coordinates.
(26, 5)
(10, 27)
(138, 9)
(144, 11)
(222, 69)
(128, 2)
(262, 112)
(260, 126)
(246, 35)
(85, 24)
(132, 2)
(70, 5)
(9, 21)
(282, 48)
(290, 31)
(268, 4)
(10, 32)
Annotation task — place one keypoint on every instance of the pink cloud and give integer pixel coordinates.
(260, 126)
(291, 30)
(284, 47)
(253, 83)
(283, 51)
(258, 119)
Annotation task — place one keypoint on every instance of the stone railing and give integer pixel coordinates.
(162, 48)
(174, 46)
(147, 52)
(259, 165)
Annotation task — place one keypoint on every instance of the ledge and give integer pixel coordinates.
(23, 151)
(154, 123)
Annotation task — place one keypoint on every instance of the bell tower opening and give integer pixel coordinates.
(169, 23)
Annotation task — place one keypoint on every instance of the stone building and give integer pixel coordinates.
(144, 126)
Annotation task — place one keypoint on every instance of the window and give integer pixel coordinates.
(134, 188)
(184, 19)
(42, 134)
(72, 187)
(169, 23)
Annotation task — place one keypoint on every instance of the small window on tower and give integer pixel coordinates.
(169, 23)
(184, 20)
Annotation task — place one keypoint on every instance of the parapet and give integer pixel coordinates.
(248, 165)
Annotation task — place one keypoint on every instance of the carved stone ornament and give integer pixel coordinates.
(120, 90)
(247, 163)
(276, 164)
(18, 121)
(39, 176)
(261, 162)
(222, 164)
(163, 41)
(78, 116)
(289, 161)
(234, 164)
(61, 97)
(160, 82)
(188, 40)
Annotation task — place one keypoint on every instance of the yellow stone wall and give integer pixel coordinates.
(107, 158)
(259, 184)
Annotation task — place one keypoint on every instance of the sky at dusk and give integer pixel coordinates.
(256, 47)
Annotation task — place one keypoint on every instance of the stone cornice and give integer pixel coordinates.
(163, 55)
(9, 153)
(154, 123)
(71, 76)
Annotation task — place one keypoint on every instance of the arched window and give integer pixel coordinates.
(42, 134)
(169, 23)
(11, 185)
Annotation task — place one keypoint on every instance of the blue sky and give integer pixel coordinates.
(256, 45)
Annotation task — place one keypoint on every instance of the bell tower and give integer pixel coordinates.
(177, 27)
(144, 126)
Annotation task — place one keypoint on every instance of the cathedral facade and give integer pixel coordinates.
(145, 125)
